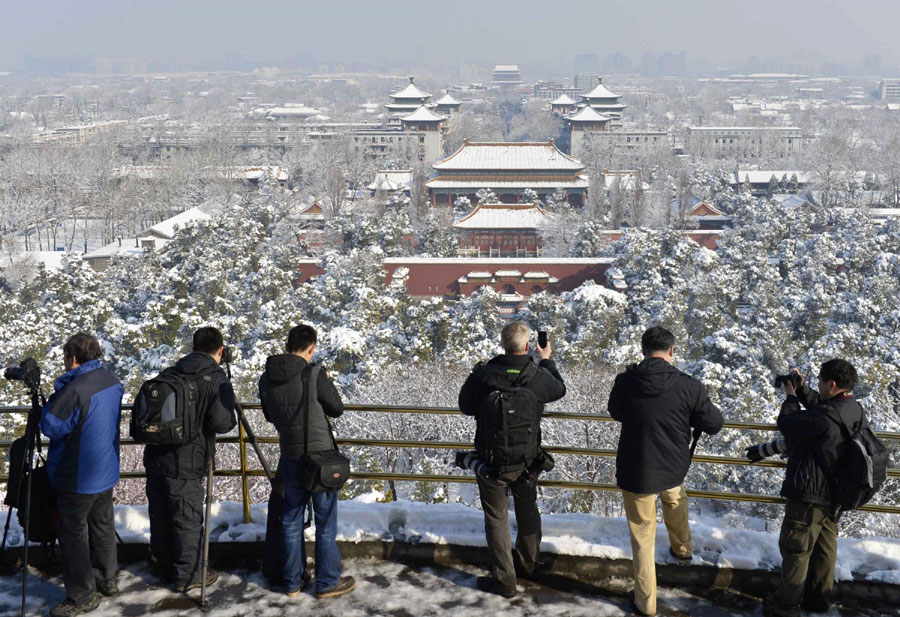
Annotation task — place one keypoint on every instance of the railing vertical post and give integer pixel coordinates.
(245, 479)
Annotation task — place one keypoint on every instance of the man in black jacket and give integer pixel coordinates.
(544, 380)
(658, 407)
(175, 473)
(816, 445)
(282, 389)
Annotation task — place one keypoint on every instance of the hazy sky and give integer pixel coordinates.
(397, 32)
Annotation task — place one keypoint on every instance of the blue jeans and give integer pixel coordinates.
(293, 549)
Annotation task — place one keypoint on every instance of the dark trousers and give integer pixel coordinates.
(176, 525)
(87, 539)
(495, 504)
(808, 544)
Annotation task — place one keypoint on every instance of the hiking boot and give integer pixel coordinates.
(211, 577)
(488, 584)
(108, 588)
(68, 608)
(676, 558)
(346, 584)
(634, 606)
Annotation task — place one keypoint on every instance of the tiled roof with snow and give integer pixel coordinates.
(600, 92)
(503, 216)
(423, 114)
(411, 92)
(166, 228)
(447, 100)
(508, 156)
(587, 114)
(562, 99)
(391, 180)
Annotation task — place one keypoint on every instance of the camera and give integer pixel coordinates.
(27, 371)
(542, 463)
(227, 355)
(794, 378)
(468, 459)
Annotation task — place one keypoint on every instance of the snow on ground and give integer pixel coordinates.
(364, 519)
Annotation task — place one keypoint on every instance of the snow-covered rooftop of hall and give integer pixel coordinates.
(578, 181)
(508, 156)
(506, 67)
(743, 128)
(562, 99)
(587, 114)
(503, 216)
(423, 114)
(498, 261)
(166, 228)
(411, 91)
(391, 180)
(447, 100)
(600, 92)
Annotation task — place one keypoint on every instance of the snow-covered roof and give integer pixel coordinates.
(300, 111)
(508, 156)
(479, 274)
(506, 67)
(794, 201)
(762, 176)
(125, 247)
(166, 229)
(423, 114)
(562, 99)
(411, 92)
(537, 275)
(499, 183)
(587, 114)
(503, 216)
(499, 261)
(600, 92)
(391, 180)
(507, 273)
(447, 100)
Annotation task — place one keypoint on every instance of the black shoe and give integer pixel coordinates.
(682, 561)
(634, 606)
(816, 607)
(488, 584)
(108, 588)
(68, 608)
(345, 584)
(211, 577)
(540, 568)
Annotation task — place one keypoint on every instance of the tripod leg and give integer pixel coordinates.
(28, 463)
(6, 529)
(254, 442)
(206, 525)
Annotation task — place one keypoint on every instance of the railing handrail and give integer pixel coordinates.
(245, 472)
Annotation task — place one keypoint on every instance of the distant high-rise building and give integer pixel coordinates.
(872, 64)
(586, 81)
(672, 64)
(617, 63)
(126, 66)
(889, 90)
(587, 63)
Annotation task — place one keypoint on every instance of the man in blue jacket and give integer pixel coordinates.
(81, 419)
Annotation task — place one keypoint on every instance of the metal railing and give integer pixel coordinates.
(245, 472)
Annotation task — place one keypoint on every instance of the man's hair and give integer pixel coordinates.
(83, 347)
(840, 372)
(514, 336)
(656, 338)
(208, 340)
(300, 338)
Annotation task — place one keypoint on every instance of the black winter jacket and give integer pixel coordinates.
(546, 384)
(216, 400)
(281, 394)
(658, 405)
(816, 444)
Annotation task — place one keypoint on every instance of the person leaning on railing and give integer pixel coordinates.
(658, 406)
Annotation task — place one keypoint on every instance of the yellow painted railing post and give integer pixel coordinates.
(245, 479)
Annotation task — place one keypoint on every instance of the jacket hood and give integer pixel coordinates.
(284, 367)
(195, 362)
(68, 376)
(652, 377)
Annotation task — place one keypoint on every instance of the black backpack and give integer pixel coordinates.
(166, 410)
(42, 511)
(863, 470)
(509, 417)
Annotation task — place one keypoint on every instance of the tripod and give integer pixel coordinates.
(242, 418)
(30, 374)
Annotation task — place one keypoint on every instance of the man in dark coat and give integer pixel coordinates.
(175, 473)
(81, 419)
(815, 446)
(544, 380)
(658, 407)
(282, 390)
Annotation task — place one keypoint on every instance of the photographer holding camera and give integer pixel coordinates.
(175, 472)
(507, 397)
(81, 419)
(815, 446)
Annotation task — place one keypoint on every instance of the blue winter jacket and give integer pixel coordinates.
(82, 421)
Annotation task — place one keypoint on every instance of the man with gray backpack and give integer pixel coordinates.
(177, 414)
(507, 397)
(835, 463)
